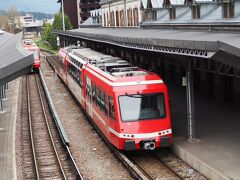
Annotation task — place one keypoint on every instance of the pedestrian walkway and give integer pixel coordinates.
(7, 132)
(216, 152)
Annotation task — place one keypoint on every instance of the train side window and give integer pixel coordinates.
(97, 96)
(93, 93)
(112, 113)
(103, 103)
(80, 78)
(75, 73)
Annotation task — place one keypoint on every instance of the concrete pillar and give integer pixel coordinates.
(190, 101)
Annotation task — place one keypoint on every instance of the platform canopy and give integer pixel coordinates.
(220, 46)
(15, 61)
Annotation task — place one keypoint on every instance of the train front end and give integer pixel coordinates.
(144, 117)
(36, 54)
(31, 46)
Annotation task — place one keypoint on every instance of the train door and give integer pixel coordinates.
(112, 120)
(89, 96)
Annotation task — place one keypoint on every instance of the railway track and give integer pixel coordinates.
(151, 165)
(45, 155)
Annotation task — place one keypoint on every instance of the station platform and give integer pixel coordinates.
(7, 131)
(216, 151)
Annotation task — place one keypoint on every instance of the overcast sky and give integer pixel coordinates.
(45, 6)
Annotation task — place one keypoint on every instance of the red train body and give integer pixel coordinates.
(128, 104)
(31, 46)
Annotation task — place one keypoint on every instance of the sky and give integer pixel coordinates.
(45, 6)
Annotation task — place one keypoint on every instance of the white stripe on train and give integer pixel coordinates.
(143, 135)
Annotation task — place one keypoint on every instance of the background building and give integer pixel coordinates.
(71, 9)
(121, 13)
(79, 10)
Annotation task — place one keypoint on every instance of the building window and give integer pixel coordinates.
(228, 10)
(129, 13)
(104, 19)
(108, 20)
(122, 19)
(117, 18)
(112, 23)
(145, 15)
(154, 15)
(135, 17)
(172, 13)
(196, 12)
(149, 15)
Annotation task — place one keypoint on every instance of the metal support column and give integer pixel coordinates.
(63, 17)
(190, 100)
(1, 103)
(3, 92)
(6, 86)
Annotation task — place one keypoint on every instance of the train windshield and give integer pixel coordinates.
(142, 106)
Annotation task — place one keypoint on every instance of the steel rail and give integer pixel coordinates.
(78, 174)
(150, 177)
(168, 166)
(49, 131)
(30, 130)
(54, 114)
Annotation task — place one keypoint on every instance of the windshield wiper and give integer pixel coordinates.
(134, 95)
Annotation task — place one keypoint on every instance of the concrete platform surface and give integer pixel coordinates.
(216, 153)
(7, 132)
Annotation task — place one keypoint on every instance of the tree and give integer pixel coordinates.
(50, 37)
(57, 23)
(13, 20)
(47, 32)
(12, 13)
(3, 22)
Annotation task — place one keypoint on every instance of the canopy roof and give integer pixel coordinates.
(14, 59)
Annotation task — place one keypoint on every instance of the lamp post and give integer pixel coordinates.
(63, 21)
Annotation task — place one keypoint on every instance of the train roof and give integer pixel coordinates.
(109, 64)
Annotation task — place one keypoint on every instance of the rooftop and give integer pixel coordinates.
(162, 40)
(111, 65)
(14, 59)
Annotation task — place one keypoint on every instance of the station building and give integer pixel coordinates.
(169, 13)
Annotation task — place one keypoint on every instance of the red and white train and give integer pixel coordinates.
(128, 104)
(31, 46)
